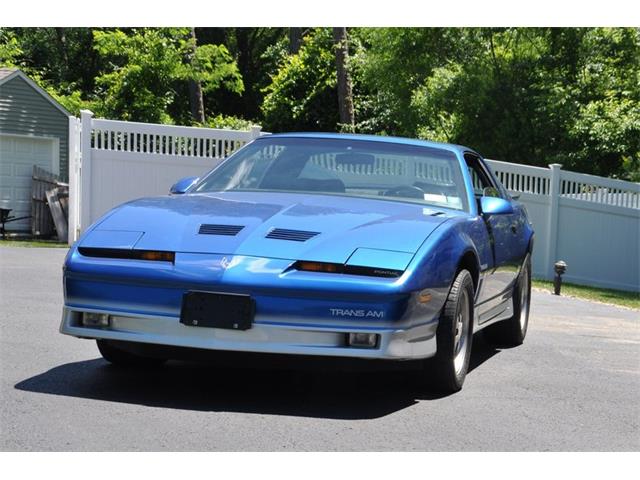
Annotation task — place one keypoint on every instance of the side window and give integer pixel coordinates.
(482, 184)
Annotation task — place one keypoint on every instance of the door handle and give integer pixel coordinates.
(514, 229)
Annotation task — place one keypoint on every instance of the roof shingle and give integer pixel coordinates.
(5, 72)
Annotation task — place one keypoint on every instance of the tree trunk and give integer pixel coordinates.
(295, 39)
(345, 95)
(62, 48)
(196, 99)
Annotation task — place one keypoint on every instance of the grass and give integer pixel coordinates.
(603, 295)
(33, 243)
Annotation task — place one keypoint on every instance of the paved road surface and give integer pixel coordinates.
(573, 385)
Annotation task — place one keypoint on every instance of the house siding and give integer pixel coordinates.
(24, 111)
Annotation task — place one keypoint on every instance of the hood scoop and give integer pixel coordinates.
(213, 229)
(291, 235)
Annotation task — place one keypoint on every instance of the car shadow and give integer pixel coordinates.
(329, 393)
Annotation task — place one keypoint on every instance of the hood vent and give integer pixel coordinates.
(292, 235)
(212, 229)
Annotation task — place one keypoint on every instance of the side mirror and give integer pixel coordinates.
(495, 206)
(183, 185)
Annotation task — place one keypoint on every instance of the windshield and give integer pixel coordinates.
(347, 167)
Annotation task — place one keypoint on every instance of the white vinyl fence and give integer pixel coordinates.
(592, 223)
(112, 162)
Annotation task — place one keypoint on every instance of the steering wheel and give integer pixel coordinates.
(410, 191)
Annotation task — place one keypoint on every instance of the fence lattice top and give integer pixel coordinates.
(133, 137)
(578, 186)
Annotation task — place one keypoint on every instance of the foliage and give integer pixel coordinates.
(534, 96)
(56, 59)
(11, 52)
(251, 47)
(72, 102)
(302, 94)
(230, 122)
(399, 60)
(146, 64)
(9, 48)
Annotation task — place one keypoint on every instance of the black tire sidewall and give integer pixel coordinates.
(517, 314)
(120, 357)
(443, 363)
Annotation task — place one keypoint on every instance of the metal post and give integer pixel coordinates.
(559, 267)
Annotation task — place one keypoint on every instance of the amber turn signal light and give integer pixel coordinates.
(324, 267)
(319, 267)
(158, 256)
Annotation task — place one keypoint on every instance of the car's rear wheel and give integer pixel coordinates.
(511, 332)
(118, 356)
(447, 370)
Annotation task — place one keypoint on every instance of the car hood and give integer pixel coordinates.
(336, 225)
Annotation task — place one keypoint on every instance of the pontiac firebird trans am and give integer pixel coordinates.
(311, 244)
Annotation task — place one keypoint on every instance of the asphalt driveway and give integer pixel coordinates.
(573, 385)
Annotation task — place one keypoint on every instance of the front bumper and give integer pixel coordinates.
(266, 336)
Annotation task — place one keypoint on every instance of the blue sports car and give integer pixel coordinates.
(311, 244)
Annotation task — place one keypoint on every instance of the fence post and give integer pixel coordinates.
(552, 240)
(74, 172)
(86, 119)
(255, 132)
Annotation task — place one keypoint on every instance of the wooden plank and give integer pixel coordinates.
(42, 223)
(58, 214)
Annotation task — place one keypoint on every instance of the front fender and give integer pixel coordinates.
(435, 264)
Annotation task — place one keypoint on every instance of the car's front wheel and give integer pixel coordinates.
(117, 356)
(447, 370)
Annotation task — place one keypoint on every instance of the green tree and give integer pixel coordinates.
(27, 49)
(9, 48)
(604, 134)
(400, 60)
(256, 51)
(540, 96)
(523, 95)
(146, 65)
(302, 94)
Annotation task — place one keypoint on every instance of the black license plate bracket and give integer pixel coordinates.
(217, 310)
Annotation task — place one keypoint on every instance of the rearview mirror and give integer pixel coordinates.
(183, 185)
(495, 206)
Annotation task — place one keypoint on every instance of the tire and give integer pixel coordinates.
(511, 332)
(447, 370)
(122, 358)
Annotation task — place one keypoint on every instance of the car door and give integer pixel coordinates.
(503, 233)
